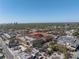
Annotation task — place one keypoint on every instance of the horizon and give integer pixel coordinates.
(43, 23)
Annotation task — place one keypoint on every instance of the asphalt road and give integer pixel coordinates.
(76, 55)
(5, 50)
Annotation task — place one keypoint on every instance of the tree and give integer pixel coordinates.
(76, 34)
(38, 43)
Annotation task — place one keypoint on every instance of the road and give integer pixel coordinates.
(76, 55)
(6, 50)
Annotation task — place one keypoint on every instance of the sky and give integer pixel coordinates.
(37, 11)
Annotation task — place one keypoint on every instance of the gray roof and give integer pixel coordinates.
(55, 58)
(24, 55)
(73, 41)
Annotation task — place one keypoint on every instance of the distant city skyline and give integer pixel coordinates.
(39, 11)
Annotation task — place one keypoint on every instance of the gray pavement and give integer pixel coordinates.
(76, 55)
(5, 50)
